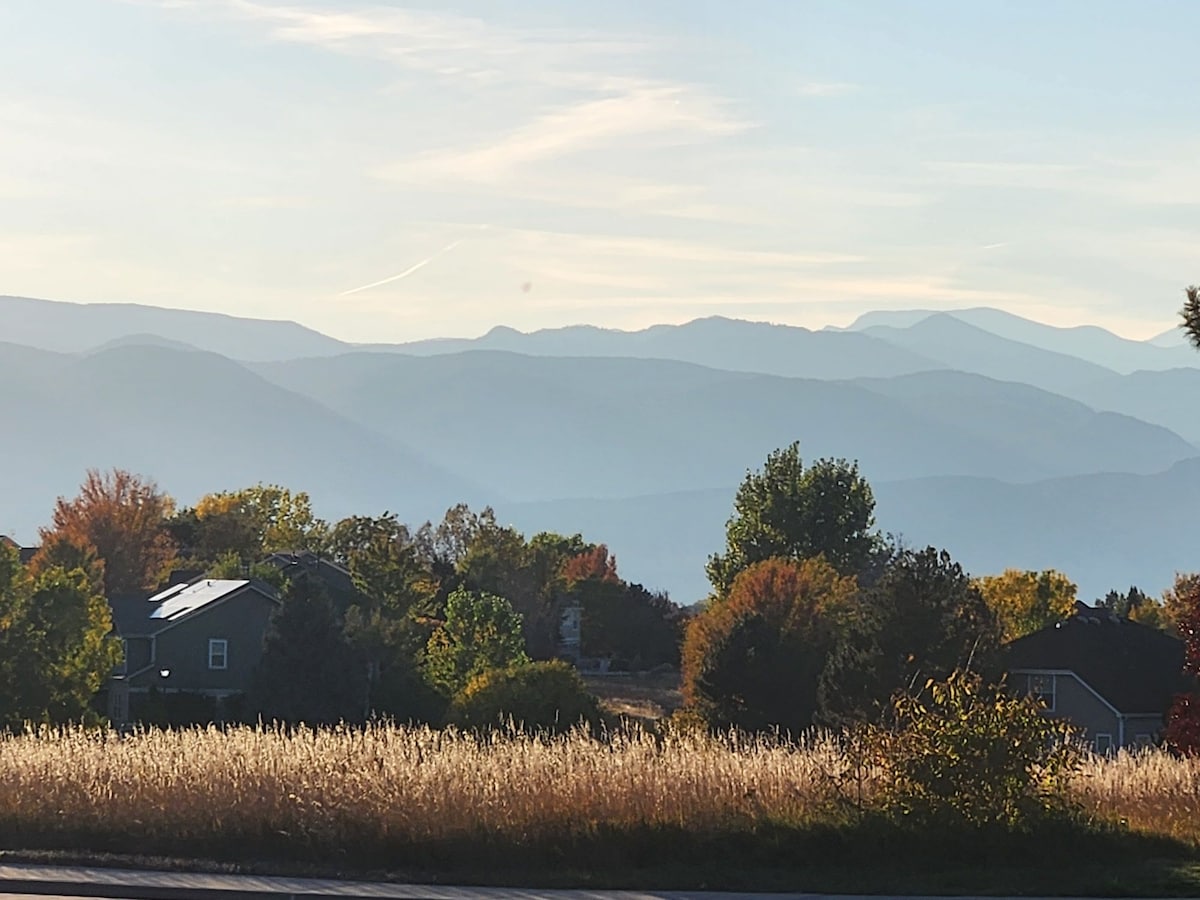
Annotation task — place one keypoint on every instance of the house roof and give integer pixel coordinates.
(1136, 668)
(336, 578)
(141, 615)
(25, 554)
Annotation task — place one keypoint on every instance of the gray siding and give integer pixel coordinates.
(183, 649)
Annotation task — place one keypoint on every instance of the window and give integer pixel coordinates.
(1145, 740)
(1103, 743)
(1041, 687)
(218, 653)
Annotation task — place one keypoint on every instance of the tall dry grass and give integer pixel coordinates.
(385, 787)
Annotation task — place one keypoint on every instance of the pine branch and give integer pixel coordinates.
(1191, 315)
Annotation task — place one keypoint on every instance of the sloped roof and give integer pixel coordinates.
(140, 615)
(1136, 668)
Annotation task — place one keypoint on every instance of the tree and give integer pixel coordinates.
(787, 511)
(1137, 607)
(308, 672)
(1183, 720)
(481, 632)
(754, 660)
(251, 522)
(1027, 601)
(922, 619)
(1191, 315)
(394, 588)
(55, 649)
(122, 517)
(540, 696)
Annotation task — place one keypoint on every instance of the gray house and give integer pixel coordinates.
(1113, 678)
(199, 639)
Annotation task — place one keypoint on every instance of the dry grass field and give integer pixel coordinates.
(421, 798)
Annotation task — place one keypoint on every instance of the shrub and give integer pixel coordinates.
(753, 659)
(962, 753)
(546, 696)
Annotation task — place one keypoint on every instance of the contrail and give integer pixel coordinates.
(413, 268)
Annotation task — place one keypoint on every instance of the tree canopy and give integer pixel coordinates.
(754, 660)
(481, 632)
(1025, 601)
(122, 518)
(792, 512)
(1191, 315)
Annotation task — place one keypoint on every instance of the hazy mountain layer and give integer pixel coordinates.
(196, 422)
(1104, 531)
(538, 428)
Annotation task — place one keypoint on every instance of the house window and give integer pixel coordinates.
(1041, 687)
(1103, 743)
(218, 653)
(1145, 740)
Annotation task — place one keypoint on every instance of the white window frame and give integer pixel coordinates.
(1108, 742)
(1050, 697)
(218, 648)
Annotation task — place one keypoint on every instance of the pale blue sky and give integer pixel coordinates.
(618, 163)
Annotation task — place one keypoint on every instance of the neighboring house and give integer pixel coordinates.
(335, 578)
(1111, 677)
(202, 638)
(25, 553)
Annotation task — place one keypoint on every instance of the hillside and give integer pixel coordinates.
(540, 428)
(196, 422)
(77, 327)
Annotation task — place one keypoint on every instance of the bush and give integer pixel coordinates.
(962, 753)
(753, 659)
(547, 696)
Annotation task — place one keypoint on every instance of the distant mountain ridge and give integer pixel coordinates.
(1005, 441)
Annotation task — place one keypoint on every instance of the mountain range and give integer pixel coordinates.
(1008, 442)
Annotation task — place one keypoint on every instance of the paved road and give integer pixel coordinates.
(18, 882)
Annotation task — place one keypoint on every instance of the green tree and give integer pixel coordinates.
(788, 511)
(754, 660)
(55, 645)
(922, 619)
(540, 696)
(1027, 601)
(481, 632)
(395, 589)
(308, 671)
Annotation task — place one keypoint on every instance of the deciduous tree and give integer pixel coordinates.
(481, 632)
(55, 644)
(754, 659)
(122, 517)
(788, 511)
(1026, 601)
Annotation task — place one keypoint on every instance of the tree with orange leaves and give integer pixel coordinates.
(754, 659)
(121, 517)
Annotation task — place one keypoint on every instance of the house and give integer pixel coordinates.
(25, 553)
(1111, 677)
(197, 642)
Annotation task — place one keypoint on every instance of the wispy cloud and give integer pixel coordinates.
(669, 114)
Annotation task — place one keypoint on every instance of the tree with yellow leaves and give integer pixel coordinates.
(1025, 601)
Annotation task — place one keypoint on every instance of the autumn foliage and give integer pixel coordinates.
(122, 518)
(754, 659)
(1183, 720)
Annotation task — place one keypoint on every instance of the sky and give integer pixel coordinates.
(390, 171)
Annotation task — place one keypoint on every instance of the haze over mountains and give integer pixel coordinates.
(1008, 442)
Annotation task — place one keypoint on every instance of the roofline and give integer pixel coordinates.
(1095, 693)
(252, 584)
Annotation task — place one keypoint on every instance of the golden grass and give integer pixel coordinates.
(386, 787)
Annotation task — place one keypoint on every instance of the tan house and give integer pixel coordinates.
(1111, 677)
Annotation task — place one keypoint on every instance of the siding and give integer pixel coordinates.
(240, 619)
